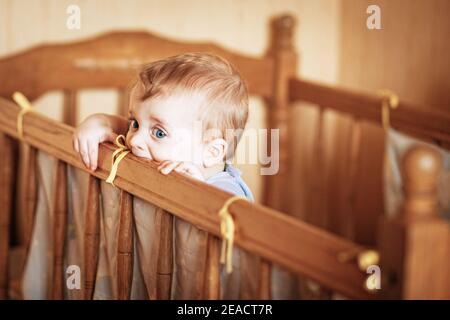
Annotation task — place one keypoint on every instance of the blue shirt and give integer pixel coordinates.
(230, 180)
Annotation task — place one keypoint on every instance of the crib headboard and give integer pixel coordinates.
(110, 61)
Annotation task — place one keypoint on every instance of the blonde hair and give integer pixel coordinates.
(224, 102)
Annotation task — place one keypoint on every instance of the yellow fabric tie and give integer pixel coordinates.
(25, 106)
(389, 101)
(117, 156)
(227, 231)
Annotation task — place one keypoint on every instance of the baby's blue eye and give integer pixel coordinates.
(134, 124)
(159, 133)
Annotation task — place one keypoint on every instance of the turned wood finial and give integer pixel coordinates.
(283, 32)
(421, 166)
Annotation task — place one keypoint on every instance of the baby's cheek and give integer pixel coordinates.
(163, 151)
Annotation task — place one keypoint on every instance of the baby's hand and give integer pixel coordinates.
(89, 134)
(187, 168)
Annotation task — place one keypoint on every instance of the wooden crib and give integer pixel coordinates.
(279, 240)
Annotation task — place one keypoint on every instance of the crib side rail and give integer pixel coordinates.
(297, 246)
(429, 125)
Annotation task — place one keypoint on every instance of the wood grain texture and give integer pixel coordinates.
(56, 291)
(298, 246)
(26, 192)
(91, 237)
(165, 257)
(6, 196)
(125, 247)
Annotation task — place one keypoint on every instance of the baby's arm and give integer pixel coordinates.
(95, 129)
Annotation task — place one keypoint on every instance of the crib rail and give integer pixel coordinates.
(295, 245)
(430, 125)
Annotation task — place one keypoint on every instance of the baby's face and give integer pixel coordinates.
(165, 128)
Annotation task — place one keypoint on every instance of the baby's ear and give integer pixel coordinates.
(214, 152)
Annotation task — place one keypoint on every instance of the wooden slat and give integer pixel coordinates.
(352, 183)
(429, 124)
(165, 257)
(317, 213)
(26, 193)
(70, 108)
(122, 103)
(6, 194)
(212, 271)
(264, 289)
(59, 231)
(31, 193)
(27, 197)
(91, 237)
(125, 247)
(298, 246)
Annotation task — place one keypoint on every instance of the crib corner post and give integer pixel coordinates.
(415, 244)
(284, 56)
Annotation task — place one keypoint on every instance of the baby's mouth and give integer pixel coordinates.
(141, 153)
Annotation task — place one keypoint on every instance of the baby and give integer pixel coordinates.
(186, 113)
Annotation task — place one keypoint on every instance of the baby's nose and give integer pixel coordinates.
(138, 146)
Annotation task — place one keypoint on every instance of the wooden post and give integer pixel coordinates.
(6, 194)
(284, 57)
(91, 237)
(70, 111)
(125, 247)
(414, 245)
(285, 65)
(59, 231)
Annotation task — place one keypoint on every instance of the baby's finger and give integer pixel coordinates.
(163, 164)
(182, 168)
(75, 144)
(93, 154)
(84, 153)
(169, 167)
(190, 170)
